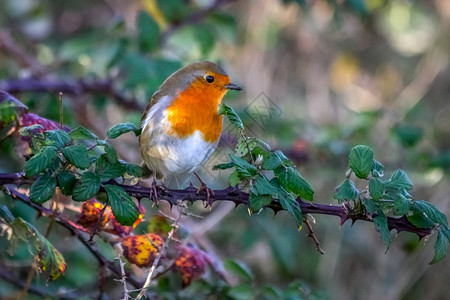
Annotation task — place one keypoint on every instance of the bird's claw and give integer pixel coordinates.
(205, 189)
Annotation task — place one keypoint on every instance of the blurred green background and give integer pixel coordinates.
(319, 77)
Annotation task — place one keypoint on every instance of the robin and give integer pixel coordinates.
(181, 127)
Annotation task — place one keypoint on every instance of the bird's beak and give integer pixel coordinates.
(232, 86)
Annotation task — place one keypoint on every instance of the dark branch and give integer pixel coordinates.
(71, 87)
(238, 196)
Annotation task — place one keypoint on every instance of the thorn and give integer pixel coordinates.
(249, 211)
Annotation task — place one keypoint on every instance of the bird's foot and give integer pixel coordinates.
(205, 189)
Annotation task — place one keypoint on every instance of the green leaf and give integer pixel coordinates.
(376, 188)
(401, 205)
(244, 169)
(77, 155)
(234, 178)
(57, 138)
(86, 187)
(224, 166)
(377, 169)
(43, 188)
(399, 180)
(81, 133)
(122, 128)
(226, 110)
(382, 227)
(371, 205)
(41, 161)
(240, 292)
(361, 160)
(292, 181)
(263, 186)
(346, 191)
(148, 32)
(430, 211)
(205, 37)
(440, 247)
(66, 182)
(31, 130)
(289, 204)
(420, 220)
(10, 108)
(107, 170)
(111, 153)
(271, 162)
(257, 202)
(122, 206)
(239, 269)
(133, 170)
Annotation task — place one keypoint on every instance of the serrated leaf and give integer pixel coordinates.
(346, 191)
(43, 188)
(257, 202)
(239, 269)
(81, 133)
(86, 187)
(377, 169)
(122, 128)
(263, 186)
(430, 211)
(245, 170)
(382, 227)
(286, 161)
(50, 260)
(77, 155)
(57, 138)
(41, 161)
(254, 142)
(133, 170)
(111, 153)
(224, 166)
(420, 220)
(440, 247)
(376, 188)
(107, 170)
(31, 130)
(271, 162)
(399, 180)
(371, 205)
(360, 160)
(66, 182)
(226, 110)
(401, 205)
(291, 180)
(289, 204)
(122, 206)
(234, 178)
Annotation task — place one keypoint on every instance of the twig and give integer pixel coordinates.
(123, 279)
(237, 196)
(72, 87)
(8, 46)
(148, 281)
(312, 235)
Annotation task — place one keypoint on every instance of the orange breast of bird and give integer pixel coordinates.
(195, 109)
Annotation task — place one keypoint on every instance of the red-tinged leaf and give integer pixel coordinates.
(142, 250)
(90, 215)
(191, 263)
(51, 260)
(32, 119)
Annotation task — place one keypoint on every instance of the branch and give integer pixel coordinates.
(65, 222)
(71, 87)
(237, 196)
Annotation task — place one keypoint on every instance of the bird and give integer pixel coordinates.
(181, 127)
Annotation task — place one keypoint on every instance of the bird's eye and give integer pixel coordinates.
(209, 78)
